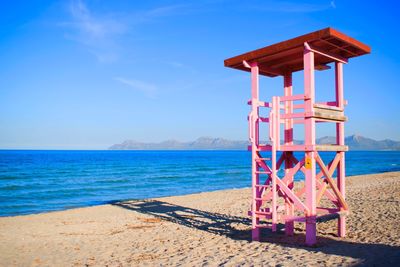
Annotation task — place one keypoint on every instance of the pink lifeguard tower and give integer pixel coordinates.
(275, 199)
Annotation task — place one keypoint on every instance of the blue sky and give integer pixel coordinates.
(88, 74)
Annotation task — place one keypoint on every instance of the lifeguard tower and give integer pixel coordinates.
(275, 199)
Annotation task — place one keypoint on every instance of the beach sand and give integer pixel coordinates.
(204, 229)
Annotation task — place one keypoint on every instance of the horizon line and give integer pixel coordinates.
(144, 142)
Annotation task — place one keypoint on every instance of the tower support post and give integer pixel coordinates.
(309, 139)
(340, 141)
(288, 140)
(254, 140)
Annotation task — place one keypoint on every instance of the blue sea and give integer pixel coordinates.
(41, 181)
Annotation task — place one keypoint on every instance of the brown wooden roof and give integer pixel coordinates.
(287, 56)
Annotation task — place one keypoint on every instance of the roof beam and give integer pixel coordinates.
(325, 53)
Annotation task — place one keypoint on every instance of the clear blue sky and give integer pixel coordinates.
(88, 74)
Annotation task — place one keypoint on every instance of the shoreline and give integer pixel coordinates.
(111, 202)
(209, 228)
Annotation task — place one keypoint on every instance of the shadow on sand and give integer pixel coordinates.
(222, 224)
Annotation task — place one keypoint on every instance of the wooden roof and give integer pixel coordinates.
(287, 56)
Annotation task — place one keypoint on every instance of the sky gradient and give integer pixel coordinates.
(89, 74)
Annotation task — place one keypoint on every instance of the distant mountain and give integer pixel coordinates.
(358, 142)
(202, 143)
(355, 142)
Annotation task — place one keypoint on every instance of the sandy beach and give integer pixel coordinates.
(207, 229)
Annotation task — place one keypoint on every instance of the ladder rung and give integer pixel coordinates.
(262, 172)
(259, 199)
(261, 185)
(260, 214)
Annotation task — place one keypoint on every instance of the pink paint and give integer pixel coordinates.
(254, 143)
(265, 211)
(340, 141)
(309, 139)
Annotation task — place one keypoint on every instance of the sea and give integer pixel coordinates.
(35, 181)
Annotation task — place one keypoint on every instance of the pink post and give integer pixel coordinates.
(288, 140)
(254, 139)
(275, 129)
(340, 141)
(309, 139)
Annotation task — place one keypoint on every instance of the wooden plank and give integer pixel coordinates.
(331, 148)
(328, 111)
(328, 115)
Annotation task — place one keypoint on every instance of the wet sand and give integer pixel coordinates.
(207, 229)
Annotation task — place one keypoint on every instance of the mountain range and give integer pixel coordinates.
(355, 142)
